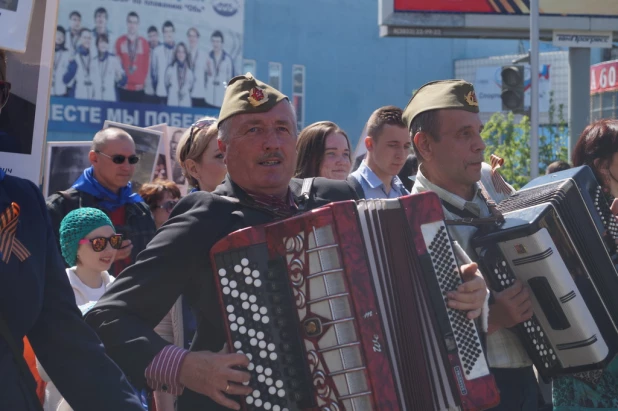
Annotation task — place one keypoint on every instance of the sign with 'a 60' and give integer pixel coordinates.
(604, 77)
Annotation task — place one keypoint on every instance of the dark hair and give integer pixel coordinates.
(102, 37)
(61, 30)
(2, 65)
(410, 168)
(358, 161)
(596, 147)
(427, 122)
(75, 13)
(217, 33)
(184, 46)
(83, 30)
(153, 192)
(556, 166)
(311, 145)
(193, 29)
(388, 115)
(100, 10)
(168, 24)
(151, 29)
(132, 14)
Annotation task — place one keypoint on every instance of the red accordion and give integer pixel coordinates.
(344, 308)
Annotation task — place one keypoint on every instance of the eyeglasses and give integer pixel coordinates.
(168, 205)
(195, 128)
(5, 89)
(100, 243)
(119, 158)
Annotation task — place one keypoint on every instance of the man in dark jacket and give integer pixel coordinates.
(36, 300)
(257, 134)
(107, 186)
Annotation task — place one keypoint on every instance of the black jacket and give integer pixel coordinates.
(176, 262)
(139, 225)
(37, 301)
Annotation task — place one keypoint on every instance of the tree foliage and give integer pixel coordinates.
(511, 141)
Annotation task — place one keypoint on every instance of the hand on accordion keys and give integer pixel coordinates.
(469, 296)
(216, 374)
(512, 306)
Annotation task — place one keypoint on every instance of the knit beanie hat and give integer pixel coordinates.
(75, 226)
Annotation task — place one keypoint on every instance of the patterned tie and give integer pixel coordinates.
(8, 228)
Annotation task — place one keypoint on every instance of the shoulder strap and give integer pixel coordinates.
(305, 193)
(26, 375)
(356, 185)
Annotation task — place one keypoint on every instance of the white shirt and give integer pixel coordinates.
(504, 350)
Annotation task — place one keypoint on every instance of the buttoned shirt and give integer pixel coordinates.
(504, 350)
(374, 187)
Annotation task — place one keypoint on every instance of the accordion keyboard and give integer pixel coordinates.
(447, 272)
(608, 218)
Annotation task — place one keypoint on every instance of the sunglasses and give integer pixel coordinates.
(168, 205)
(5, 89)
(195, 128)
(119, 158)
(100, 243)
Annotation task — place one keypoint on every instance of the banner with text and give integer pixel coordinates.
(142, 62)
(488, 86)
(603, 77)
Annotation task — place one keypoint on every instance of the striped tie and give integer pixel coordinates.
(8, 228)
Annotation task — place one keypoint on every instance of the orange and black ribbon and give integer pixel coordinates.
(500, 185)
(8, 228)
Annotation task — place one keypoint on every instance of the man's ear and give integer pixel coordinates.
(223, 149)
(92, 157)
(423, 143)
(369, 143)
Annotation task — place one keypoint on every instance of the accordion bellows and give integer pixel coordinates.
(344, 308)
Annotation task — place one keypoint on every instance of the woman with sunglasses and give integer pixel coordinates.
(89, 243)
(161, 196)
(199, 156)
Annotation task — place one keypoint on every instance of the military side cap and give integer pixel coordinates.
(246, 95)
(442, 94)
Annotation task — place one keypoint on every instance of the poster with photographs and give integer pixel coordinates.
(143, 62)
(14, 24)
(146, 147)
(64, 163)
(162, 166)
(23, 119)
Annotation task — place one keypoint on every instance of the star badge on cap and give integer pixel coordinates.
(471, 99)
(257, 97)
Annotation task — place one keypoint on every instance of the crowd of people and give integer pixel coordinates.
(138, 264)
(92, 64)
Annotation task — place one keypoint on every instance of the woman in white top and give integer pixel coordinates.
(88, 242)
(107, 72)
(179, 79)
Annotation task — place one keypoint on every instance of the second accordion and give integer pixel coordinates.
(344, 308)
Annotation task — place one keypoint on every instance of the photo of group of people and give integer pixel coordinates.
(144, 55)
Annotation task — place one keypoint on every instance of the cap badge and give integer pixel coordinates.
(257, 97)
(471, 99)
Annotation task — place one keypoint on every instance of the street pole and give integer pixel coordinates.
(534, 88)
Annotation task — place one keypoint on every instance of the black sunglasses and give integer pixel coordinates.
(195, 128)
(168, 205)
(100, 243)
(119, 158)
(5, 89)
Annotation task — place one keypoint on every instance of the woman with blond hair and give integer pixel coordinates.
(199, 156)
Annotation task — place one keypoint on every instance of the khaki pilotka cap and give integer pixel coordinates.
(246, 94)
(442, 94)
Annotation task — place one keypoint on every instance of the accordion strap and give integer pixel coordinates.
(469, 218)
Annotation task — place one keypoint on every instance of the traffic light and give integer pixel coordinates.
(513, 88)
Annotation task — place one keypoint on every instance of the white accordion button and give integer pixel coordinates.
(226, 290)
(256, 393)
(279, 384)
(249, 400)
(258, 403)
(276, 408)
(246, 271)
(252, 299)
(254, 308)
(256, 317)
(225, 281)
(233, 284)
(242, 330)
(249, 356)
(244, 262)
(265, 320)
(267, 406)
(248, 280)
(260, 335)
(237, 345)
(271, 347)
(273, 356)
(240, 321)
(268, 372)
(259, 369)
(251, 366)
(255, 274)
(235, 293)
(230, 308)
(245, 305)
(281, 393)
(237, 268)
(222, 272)
(263, 354)
(263, 310)
(253, 342)
(244, 296)
(257, 283)
(234, 327)
(269, 381)
(261, 378)
(262, 344)
(272, 391)
(252, 333)
(231, 317)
